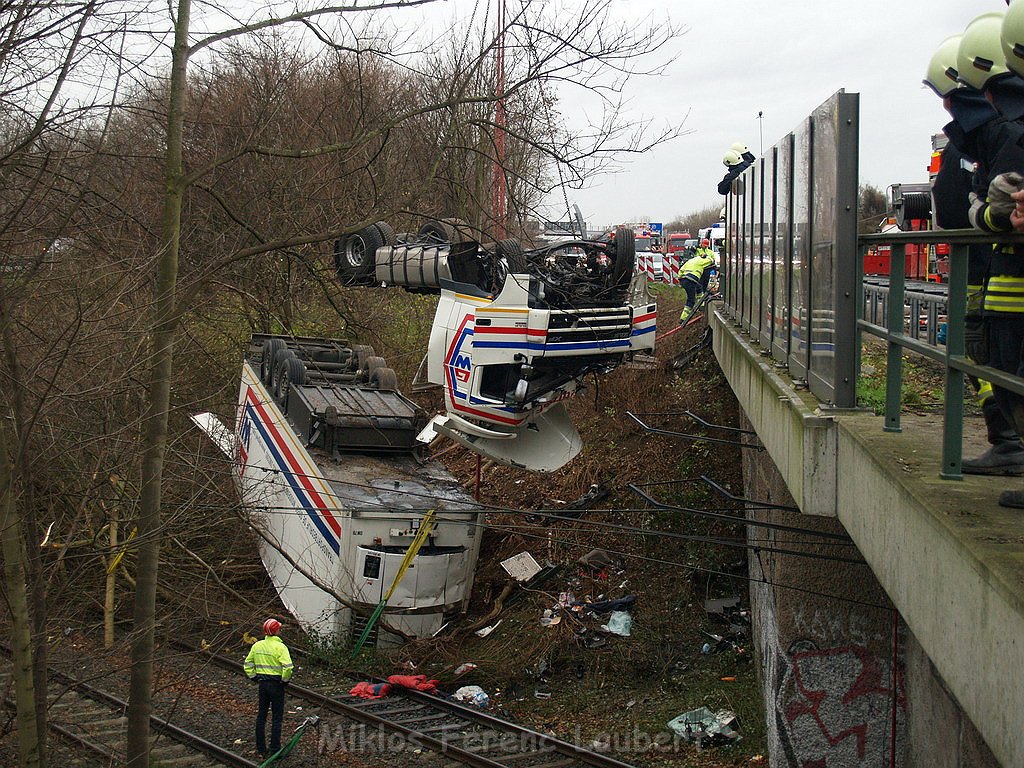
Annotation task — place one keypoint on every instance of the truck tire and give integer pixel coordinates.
(512, 252)
(270, 348)
(625, 256)
(360, 353)
(439, 232)
(277, 369)
(387, 233)
(293, 373)
(372, 364)
(384, 378)
(354, 255)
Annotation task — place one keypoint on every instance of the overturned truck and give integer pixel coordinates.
(328, 471)
(515, 332)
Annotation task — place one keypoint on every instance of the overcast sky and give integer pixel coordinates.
(783, 58)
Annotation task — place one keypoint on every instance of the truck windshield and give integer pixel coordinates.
(643, 244)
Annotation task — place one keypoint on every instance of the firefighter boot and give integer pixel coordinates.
(1013, 499)
(1005, 458)
(685, 315)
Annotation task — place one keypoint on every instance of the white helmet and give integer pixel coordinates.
(941, 76)
(732, 157)
(739, 147)
(980, 55)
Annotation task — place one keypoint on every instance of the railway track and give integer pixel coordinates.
(93, 721)
(466, 735)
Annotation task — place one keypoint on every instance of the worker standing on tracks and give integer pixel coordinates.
(270, 665)
(694, 275)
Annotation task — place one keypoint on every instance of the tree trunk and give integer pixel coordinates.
(21, 636)
(20, 469)
(108, 596)
(140, 698)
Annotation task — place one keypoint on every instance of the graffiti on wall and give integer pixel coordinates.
(833, 707)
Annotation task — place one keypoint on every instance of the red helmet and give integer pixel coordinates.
(705, 243)
(271, 627)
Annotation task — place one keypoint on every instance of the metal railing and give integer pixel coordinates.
(951, 357)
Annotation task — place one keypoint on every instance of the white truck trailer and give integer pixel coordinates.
(328, 473)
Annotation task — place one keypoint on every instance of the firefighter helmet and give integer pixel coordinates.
(705, 243)
(732, 157)
(941, 76)
(980, 55)
(1013, 37)
(271, 627)
(739, 147)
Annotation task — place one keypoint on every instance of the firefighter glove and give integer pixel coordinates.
(976, 339)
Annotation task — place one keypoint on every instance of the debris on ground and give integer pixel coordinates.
(472, 694)
(619, 623)
(367, 690)
(415, 682)
(487, 630)
(706, 728)
(462, 669)
(521, 567)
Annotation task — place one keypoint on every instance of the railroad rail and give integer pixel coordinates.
(93, 721)
(465, 734)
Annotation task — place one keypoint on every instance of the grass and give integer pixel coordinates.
(921, 388)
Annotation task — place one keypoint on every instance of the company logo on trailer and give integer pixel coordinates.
(244, 433)
(459, 361)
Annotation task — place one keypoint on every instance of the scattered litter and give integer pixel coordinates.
(366, 690)
(542, 692)
(472, 694)
(728, 679)
(597, 559)
(605, 606)
(462, 669)
(706, 648)
(592, 639)
(487, 630)
(619, 623)
(408, 665)
(706, 728)
(521, 567)
(721, 605)
(549, 618)
(565, 600)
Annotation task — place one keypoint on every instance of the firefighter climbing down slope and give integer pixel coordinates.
(694, 275)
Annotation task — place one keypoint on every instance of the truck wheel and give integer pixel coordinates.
(293, 373)
(625, 256)
(277, 369)
(387, 233)
(384, 378)
(439, 232)
(270, 348)
(360, 352)
(354, 255)
(372, 364)
(512, 252)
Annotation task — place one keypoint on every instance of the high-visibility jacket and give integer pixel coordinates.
(269, 657)
(699, 266)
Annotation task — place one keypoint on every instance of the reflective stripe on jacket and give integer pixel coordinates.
(269, 657)
(698, 264)
(1005, 294)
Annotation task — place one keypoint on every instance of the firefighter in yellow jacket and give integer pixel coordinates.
(270, 665)
(694, 275)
